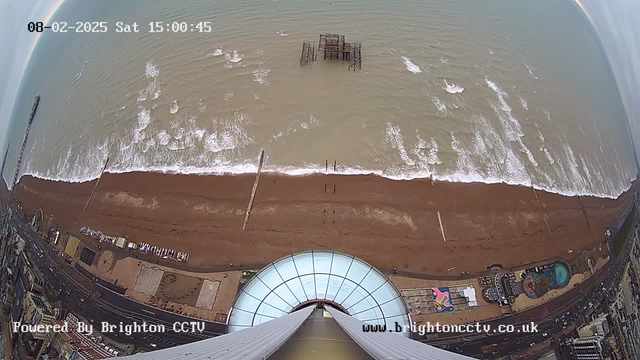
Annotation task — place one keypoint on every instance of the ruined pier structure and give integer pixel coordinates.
(332, 47)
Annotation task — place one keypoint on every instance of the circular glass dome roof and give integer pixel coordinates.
(349, 284)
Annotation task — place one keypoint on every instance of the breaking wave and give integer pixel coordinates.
(411, 66)
(235, 58)
(485, 153)
(173, 108)
(453, 88)
(151, 70)
(260, 76)
(439, 105)
(216, 52)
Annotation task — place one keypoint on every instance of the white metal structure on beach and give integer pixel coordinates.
(340, 280)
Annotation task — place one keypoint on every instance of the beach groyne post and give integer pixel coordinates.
(441, 227)
(96, 185)
(254, 190)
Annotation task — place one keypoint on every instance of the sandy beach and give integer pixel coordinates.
(386, 222)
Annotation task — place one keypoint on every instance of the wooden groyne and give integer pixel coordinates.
(96, 185)
(253, 191)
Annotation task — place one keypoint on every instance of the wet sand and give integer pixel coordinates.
(385, 222)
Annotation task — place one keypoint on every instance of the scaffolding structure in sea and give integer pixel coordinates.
(332, 47)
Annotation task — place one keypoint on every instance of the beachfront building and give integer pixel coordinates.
(317, 304)
(598, 327)
(36, 311)
(589, 348)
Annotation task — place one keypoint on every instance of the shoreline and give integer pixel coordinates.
(389, 223)
(249, 168)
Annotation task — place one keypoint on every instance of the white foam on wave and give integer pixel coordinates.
(216, 52)
(576, 177)
(229, 133)
(496, 155)
(76, 174)
(453, 88)
(235, 58)
(439, 105)
(411, 66)
(260, 76)
(151, 70)
(163, 137)
(430, 158)
(544, 149)
(586, 171)
(152, 90)
(313, 120)
(524, 103)
(144, 119)
(173, 108)
(510, 124)
(546, 114)
(530, 68)
(487, 159)
(465, 163)
(393, 138)
(228, 95)
(595, 127)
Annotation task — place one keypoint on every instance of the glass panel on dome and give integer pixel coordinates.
(304, 263)
(354, 298)
(286, 295)
(385, 293)
(373, 280)
(334, 285)
(247, 303)
(286, 268)
(341, 264)
(308, 281)
(365, 303)
(367, 315)
(296, 287)
(373, 313)
(322, 280)
(270, 277)
(322, 262)
(345, 290)
(277, 302)
(268, 310)
(393, 308)
(256, 288)
(358, 271)
(239, 317)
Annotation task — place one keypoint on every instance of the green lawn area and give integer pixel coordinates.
(618, 242)
(248, 274)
